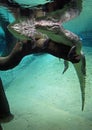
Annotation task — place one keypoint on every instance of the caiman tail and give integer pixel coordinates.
(81, 73)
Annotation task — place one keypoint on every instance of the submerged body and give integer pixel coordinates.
(43, 33)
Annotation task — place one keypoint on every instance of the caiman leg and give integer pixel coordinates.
(24, 48)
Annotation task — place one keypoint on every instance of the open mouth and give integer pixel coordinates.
(28, 29)
(47, 19)
(51, 25)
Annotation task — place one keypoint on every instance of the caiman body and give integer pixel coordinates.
(56, 41)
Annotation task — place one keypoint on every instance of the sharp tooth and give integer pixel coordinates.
(15, 27)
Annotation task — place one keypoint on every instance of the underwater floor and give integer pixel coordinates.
(42, 98)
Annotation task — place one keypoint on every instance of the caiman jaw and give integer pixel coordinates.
(47, 23)
(29, 28)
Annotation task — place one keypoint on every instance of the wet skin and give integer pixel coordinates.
(59, 41)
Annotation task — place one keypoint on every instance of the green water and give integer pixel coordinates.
(41, 97)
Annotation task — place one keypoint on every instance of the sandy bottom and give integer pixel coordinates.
(42, 98)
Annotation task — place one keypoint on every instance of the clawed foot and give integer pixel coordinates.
(72, 56)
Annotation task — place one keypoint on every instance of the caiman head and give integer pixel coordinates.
(47, 19)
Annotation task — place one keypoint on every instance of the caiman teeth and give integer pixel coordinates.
(28, 28)
(46, 23)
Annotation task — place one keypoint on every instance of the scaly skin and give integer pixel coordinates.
(62, 43)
